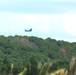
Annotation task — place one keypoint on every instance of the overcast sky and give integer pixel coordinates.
(48, 18)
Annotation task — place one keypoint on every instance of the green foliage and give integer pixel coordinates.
(38, 68)
(72, 66)
(24, 51)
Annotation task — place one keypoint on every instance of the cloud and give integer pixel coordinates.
(70, 24)
(14, 23)
(58, 26)
(34, 7)
(71, 29)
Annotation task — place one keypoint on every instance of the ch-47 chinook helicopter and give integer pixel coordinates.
(28, 30)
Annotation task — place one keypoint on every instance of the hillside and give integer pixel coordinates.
(20, 49)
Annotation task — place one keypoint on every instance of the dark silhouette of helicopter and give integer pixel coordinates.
(28, 30)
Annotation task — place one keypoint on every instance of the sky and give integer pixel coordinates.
(47, 18)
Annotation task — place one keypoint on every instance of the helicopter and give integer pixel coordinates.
(28, 30)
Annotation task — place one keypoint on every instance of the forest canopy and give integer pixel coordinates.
(22, 50)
